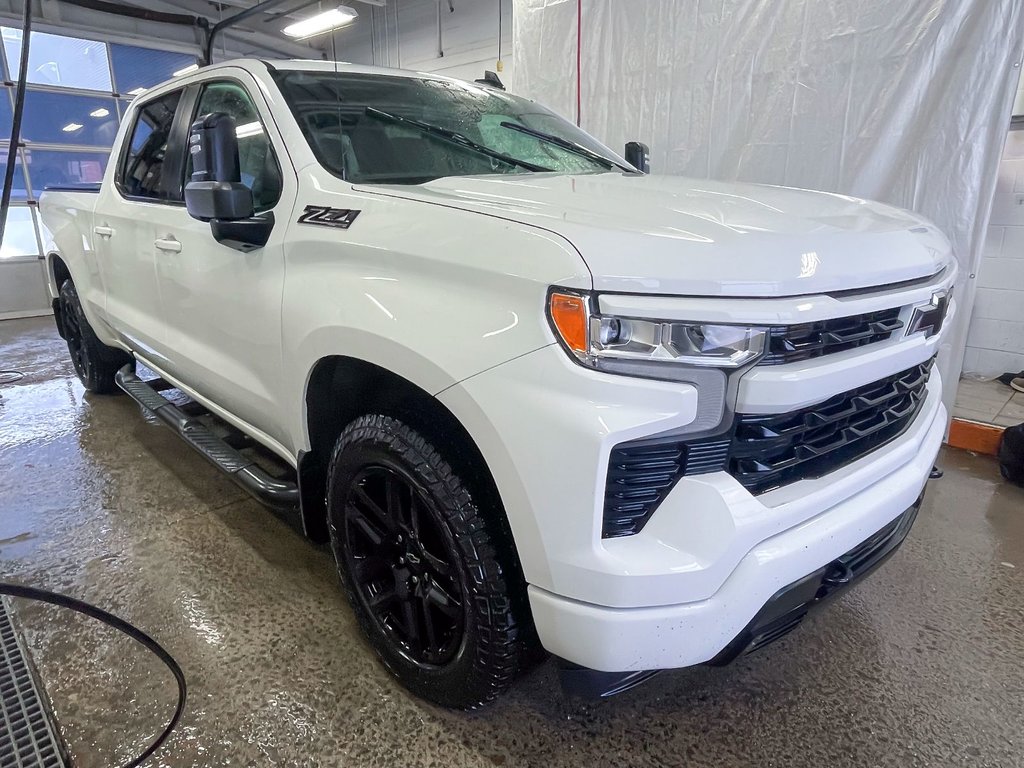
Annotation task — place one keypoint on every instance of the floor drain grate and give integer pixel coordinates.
(28, 738)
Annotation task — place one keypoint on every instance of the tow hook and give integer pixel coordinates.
(838, 575)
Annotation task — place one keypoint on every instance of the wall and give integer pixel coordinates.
(995, 341)
(404, 34)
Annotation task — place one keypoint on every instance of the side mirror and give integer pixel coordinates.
(215, 193)
(639, 156)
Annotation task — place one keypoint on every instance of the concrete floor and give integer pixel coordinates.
(919, 666)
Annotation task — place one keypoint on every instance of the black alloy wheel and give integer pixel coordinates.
(431, 577)
(76, 344)
(402, 560)
(94, 362)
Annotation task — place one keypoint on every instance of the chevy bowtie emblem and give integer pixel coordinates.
(929, 317)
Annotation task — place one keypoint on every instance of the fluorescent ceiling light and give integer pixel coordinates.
(248, 129)
(322, 22)
(186, 70)
(71, 127)
(101, 112)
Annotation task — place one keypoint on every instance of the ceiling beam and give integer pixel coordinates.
(213, 8)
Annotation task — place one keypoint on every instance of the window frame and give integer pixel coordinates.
(176, 146)
(197, 88)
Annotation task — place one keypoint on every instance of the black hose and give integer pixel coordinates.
(43, 596)
(19, 108)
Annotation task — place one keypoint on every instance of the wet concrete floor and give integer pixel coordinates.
(922, 665)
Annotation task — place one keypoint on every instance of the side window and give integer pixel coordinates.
(142, 171)
(260, 171)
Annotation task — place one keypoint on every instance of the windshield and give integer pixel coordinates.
(404, 130)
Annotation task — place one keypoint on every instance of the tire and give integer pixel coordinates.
(95, 362)
(424, 570)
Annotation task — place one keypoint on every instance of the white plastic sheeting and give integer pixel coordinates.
(903, 101)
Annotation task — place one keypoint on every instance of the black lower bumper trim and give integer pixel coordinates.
(788, 607)
(783, 612)
(592, 684)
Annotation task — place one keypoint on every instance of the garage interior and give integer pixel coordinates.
(917, 104)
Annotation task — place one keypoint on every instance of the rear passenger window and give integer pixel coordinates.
(256, 159)
(142, 173)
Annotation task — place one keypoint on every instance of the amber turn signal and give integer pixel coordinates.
(569, 315)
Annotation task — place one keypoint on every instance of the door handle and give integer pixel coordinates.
(170, 244)
(103, 231)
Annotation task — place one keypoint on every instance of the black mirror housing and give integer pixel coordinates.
(224, 200)
(638, 155)
(243, 234)
(215, 192)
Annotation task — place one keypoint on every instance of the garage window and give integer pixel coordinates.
(19, 235)
(138, 68)
(72, 113)
(61, 60)
(52, 168)
(63, 118)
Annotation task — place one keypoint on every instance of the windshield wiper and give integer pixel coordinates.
(569, 146)
(456, 138)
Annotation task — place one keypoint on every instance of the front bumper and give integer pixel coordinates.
(684, 634)
(783, 612)
(681, 590)
(788, 607)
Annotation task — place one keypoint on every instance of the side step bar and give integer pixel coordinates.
(245, 472)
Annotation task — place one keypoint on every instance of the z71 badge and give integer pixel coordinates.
(340, 218)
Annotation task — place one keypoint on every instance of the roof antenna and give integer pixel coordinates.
(491, 79)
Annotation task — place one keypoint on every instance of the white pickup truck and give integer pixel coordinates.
(532, 395)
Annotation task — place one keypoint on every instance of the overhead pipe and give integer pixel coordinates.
(231, 21)
(19, 110)
(440, 42)
(102, 6)
(579, 62)
(398, 36)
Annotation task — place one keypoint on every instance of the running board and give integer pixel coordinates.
(245, 472)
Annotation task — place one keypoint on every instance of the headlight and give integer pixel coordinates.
(605, 342)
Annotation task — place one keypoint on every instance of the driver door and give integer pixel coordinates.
(222, 307)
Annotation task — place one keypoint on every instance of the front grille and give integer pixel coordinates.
(770, 451)
(792, 343)
(763, 452)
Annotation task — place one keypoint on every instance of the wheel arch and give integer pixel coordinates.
(341, 388)
(57, 272)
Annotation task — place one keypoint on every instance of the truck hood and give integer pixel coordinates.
(680, 236)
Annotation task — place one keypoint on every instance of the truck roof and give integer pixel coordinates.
(316, 65)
